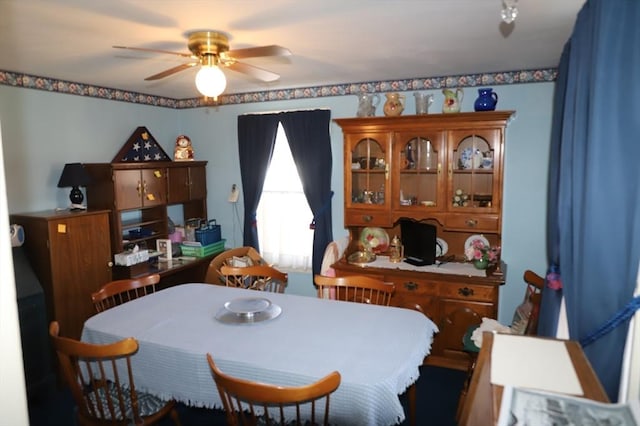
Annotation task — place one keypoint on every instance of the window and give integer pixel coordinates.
(283, 214)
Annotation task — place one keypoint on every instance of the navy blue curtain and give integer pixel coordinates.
(552, 295)
(310, 143)
(595, 232)
(256, 140)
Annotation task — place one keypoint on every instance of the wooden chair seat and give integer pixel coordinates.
(251, 403)
(262, 277)
(101, 382)
(120, 291)
(355, 288)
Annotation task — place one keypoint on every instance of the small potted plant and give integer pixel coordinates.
(482, 255)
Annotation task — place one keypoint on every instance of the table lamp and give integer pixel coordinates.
(74, 175)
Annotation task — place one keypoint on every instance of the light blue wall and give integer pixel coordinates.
(42, 131)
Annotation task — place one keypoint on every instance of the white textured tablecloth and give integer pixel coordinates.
(376, 349)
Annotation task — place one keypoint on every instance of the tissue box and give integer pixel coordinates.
(129, 258)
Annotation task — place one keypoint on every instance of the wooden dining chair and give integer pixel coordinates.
(248, 402)
(120, 291)
(261, 277)
(231, 257)
(355, 288)
(101, 382)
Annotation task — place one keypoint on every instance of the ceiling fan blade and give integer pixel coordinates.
(254, 52)
(170, 71)
(142, 49)
(256, 72)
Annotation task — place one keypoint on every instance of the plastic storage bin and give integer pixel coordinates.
(209, 233)
(202, 251)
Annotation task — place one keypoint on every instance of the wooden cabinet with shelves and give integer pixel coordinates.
(367, 196)
(70, 253)
(138, 195)
(186, 183)
(443, 169)
(139, 188)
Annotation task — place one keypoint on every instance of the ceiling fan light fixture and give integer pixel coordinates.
(211, 81)
(211, 50)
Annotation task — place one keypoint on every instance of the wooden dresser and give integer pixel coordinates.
(70, 253)
(442, 169)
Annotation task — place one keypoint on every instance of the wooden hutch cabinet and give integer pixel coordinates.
(71, 256)
(445, 170)
(138, 188)
(138, 194)
(186, 184)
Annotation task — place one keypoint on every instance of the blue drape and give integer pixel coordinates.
(310, 144)
(552, 295)
(256, 140)
(595, 227)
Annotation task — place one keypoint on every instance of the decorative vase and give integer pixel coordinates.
(481, 263)
(487, 100)
(367, 103)
(452, 100)
(394, 104)
(423, 101)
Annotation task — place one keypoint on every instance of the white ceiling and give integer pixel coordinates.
(332, 41)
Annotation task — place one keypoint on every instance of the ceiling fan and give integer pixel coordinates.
(210, 50)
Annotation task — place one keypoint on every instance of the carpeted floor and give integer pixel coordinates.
(437, 398)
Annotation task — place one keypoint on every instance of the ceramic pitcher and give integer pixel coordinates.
(452, 100)
(423, 101)
(487, 100)
(394, 104)
(367, 103)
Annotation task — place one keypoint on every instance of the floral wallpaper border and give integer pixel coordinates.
(9, 78)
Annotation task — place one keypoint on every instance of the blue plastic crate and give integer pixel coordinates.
(209, 234)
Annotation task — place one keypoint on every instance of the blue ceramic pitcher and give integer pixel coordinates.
(487, 100)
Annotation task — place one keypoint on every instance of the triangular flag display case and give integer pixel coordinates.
(141, 147)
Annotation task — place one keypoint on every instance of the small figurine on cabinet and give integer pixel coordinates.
(183, 150)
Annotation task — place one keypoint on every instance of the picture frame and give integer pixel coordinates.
(164, 247)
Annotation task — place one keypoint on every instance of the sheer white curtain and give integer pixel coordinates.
(283, 214)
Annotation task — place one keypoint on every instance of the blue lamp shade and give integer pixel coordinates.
(74, 175)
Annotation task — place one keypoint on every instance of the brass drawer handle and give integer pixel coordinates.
(410, 285)
(367, 218)
(471, 223)
(465, 291)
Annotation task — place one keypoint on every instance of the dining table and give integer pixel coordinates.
(283, 339)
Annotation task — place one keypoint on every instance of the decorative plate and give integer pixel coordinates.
(228, 317)
(472, 238)
(376, 238)
(247, 306)
(466, 161)
(441, 247)
(470, 159)
(361, 258)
